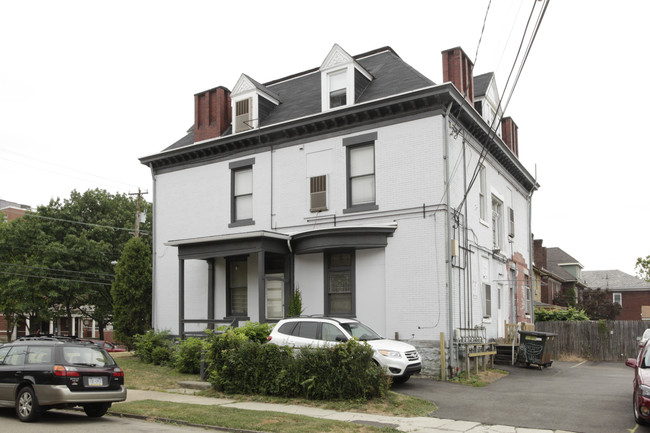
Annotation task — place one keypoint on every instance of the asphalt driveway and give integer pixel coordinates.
(584, 397)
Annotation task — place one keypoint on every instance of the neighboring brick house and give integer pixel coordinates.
(556, 272)
(346, 181)
(11, 211)
(632, 293)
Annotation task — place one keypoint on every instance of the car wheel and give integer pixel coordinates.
(400, 379)
(27, 407)
(635, 408)
(96, 410)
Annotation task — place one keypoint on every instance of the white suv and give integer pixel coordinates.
(398, 359)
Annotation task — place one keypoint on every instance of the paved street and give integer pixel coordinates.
(581, 397)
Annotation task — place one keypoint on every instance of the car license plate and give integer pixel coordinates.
(95, 381)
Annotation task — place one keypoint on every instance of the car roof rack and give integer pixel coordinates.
(52, 337)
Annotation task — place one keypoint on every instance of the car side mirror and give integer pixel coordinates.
(631, 362)
(341, 339)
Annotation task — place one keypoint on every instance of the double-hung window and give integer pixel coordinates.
(242, 192)
(338, 88)
(497, 223)
(339, 284)
(361, 193)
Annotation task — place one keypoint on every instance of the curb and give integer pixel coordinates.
(185, 423)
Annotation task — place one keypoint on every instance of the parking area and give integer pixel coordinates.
(585, 397)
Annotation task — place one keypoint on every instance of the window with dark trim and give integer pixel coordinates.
(339, 284)
(237, 289)
(241, 182)
(487, 301)
(361, 192)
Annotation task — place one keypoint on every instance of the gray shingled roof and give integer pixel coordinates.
(300, 94)
(481, 83)
(614, 280)
(556, 256)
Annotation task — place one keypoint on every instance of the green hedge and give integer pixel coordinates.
(238, 361)
(543, 315)
(345, 371)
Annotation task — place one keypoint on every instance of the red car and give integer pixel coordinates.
(109, 347)
(641, 395)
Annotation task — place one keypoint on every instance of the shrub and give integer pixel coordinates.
(145, 345)
(345, 371)
(255, 331)
(161, 355)
(542, 315)
(295, 304)
(186, 357)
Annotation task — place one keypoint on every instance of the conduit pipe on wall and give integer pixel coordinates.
(450, 298)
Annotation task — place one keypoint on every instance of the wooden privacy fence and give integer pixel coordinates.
(603, 340)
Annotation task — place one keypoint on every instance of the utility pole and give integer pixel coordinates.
(137, 211)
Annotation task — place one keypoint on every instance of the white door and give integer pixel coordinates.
(501, 326)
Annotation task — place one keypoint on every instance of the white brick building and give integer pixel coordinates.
(334, 181)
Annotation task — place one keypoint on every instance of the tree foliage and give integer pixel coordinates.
(132, 291)
(642, 268)
(59, 259)
(599, 305)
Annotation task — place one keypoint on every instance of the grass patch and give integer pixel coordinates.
(393, 405)
(483, 378)
(242, 419)
(149, 377)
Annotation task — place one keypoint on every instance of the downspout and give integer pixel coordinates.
(530, 254)
(153, 247)
(450, 321)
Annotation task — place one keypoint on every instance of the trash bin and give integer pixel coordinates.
(535, 348)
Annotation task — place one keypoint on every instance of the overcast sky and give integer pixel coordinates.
(88, 87)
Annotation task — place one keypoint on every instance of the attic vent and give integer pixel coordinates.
(318, 193)
(243, 115)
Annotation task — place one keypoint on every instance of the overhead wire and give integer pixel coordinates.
(492, 132)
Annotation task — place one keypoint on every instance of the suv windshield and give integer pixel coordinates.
(90, 356)
(360, 331)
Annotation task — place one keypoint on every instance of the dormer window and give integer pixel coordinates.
(251, 102)
(343, 79)
(338, 88)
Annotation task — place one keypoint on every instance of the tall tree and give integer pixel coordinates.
(68, 249)
(132, 291)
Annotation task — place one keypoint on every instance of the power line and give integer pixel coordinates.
(482, 31)
(484, 152)
(35, 215)
(56, 278)
(67, 169)
(97, 274)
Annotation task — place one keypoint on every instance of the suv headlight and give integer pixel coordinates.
(390, 353)
(644, 390)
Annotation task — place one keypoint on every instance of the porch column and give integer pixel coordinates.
(261, 286)
(73, 330)
(181, 297)
(210, 292)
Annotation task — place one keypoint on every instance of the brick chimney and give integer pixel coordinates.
(509, 134)
(212, 113)
(457, 68)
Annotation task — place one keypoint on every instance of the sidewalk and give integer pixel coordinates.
(412, 425)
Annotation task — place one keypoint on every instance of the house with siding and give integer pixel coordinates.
(376, 192)
(630, 292)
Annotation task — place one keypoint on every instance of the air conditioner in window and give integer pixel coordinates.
(318, 193)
